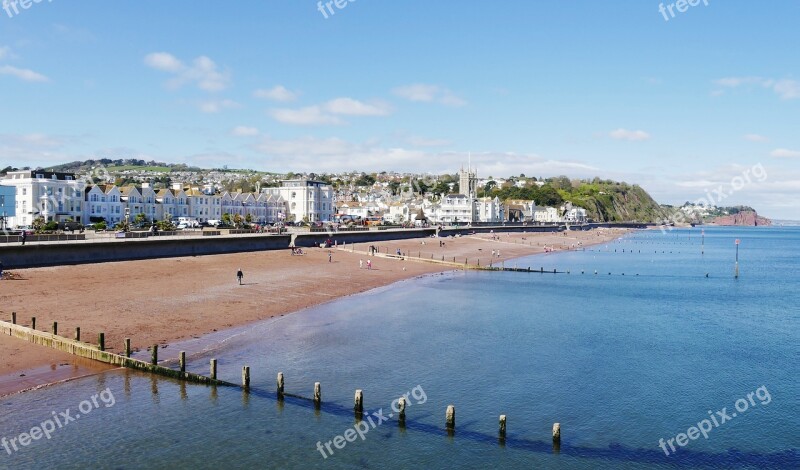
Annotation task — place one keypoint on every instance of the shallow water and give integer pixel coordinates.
(619, 361)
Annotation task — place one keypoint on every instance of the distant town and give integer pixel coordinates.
(121, 194)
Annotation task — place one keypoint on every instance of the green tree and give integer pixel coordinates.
(140, 219)
(38, 224)
(248, 218)
(226, 218)
(237, 220)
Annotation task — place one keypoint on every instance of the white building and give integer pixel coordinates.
(489, 210)
(103, 202)
(546, 215)
(455, 209)
(51, 195)
(306, 200)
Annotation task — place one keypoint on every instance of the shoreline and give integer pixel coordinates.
(145, 300)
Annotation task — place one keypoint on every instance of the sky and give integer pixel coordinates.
(696, 104)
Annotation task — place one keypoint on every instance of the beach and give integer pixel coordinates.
(163, 301)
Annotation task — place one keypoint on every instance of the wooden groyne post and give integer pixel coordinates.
(358, 405)
(182, 361)
(401, 407)
(557, 433)
(33, 323)
(127, 347)
(101, 341)
(55, 327)
(13, 318)
(77, 333)
(450, 418)
(246, 377)
(213, 369)
(502, 431)
(154, 355)
(317, 394)
(280, 385)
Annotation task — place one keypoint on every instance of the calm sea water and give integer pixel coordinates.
(621, 361)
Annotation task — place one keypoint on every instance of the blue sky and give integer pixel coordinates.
(582, 88)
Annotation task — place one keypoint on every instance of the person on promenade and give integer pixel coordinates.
(24, 236)
(240, 276)
(1, 270)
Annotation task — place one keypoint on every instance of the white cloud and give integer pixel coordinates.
(424, 93)
(335, 154)
(308, 116)
(785, 153)
(202, 71)
(625, 134)
(424, 142)
(755, 138)
(785, 88)
(244, 131)
(278, 93)
(328, 113)
(25, 75)
(5, 51)
(215, 106)
(351, 107)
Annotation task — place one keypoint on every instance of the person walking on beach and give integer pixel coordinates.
(330, 257)
(369, 264)
(361, 264)
(240, 276)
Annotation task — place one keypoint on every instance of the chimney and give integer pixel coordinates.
(177, 186)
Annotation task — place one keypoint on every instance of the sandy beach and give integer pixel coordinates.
(163, 301)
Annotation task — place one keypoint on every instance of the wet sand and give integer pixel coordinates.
(164, 301)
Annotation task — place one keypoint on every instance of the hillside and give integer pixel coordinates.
(604, 200)
(616, 202)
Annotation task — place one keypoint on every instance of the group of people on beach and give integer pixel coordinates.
(361, 264)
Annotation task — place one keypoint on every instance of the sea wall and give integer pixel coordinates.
(66, 253)
(15, 256)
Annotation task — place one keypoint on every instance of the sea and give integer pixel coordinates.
(648, 351)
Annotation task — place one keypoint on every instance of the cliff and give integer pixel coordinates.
(745, 218)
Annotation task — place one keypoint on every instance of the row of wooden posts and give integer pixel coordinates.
(358, 407)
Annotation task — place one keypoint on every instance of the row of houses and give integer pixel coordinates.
(60, 197)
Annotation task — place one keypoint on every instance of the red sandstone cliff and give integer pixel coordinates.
(748, 219)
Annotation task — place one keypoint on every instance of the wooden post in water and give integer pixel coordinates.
(401, 407)
(450, 418)
(213, 369)
(557, 433)
(317, 394)
(77, 333)
(127, 347)
(154, 355)
(182, 361)
(13, 318)
(359, 403)
(280, 385)
(502, 431)
(101, 341)
(55, 328)
(246, 377)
